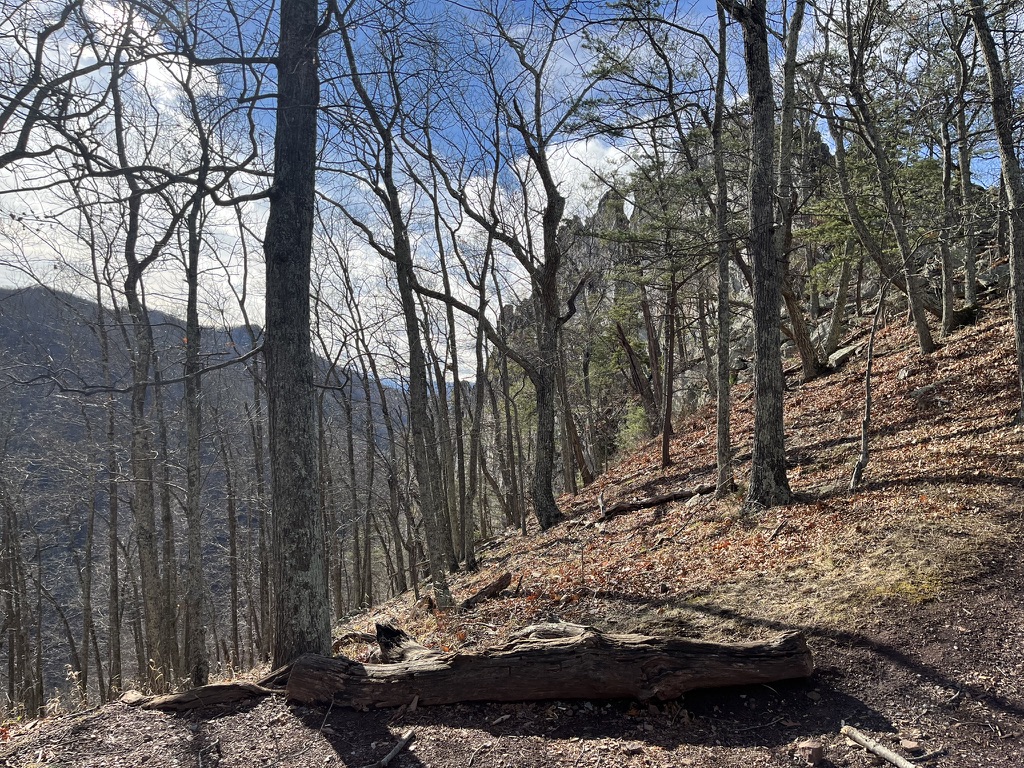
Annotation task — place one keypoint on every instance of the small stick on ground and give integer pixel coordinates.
(929, 755)
(776, 532)
(477, 751)
(406, 738)
(875, 748)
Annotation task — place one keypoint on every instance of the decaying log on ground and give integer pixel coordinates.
(586, 665)
(492, 589)
(625, 507)
(206, 696)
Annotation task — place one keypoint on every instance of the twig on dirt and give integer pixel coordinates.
(326, 715)
(763, 725)
(875, 748)
(929, 755)
(478, 750)
(406, 738)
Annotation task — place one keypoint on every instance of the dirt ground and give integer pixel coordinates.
(909, 592)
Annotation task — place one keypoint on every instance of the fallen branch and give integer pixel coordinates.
(492, 589)
(776, 532)
(277, 677)
(205, 696)
(352, 637)
(561, 661)
(875, 748)
(625, 507)
(382, 763)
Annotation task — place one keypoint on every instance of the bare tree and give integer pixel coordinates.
(1013, 178)
(301, 603)
(769, 485)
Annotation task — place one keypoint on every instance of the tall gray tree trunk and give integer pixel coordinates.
(837, 322)
(856, 42)
(197, 664)
(787, 197)
(769, 485)
(963, 153)
(1002, 117)
(723, 443)
(948, 218)
(301, 604)
(543, 378)
(965, 76)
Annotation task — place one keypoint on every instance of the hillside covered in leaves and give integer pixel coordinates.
(908, 591)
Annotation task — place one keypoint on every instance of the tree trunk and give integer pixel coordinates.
(864, 115)
(197, 664)
(946, 235)
(1002, 117)
(169, 551)
(670, 341)
(864, 233)
(301, 603)
(769, 485)
(232, 515)
(555, 661)
(865, 423)
(543, 378)
(787, 197)
(723, 441)
(641, 384)
(838, 319)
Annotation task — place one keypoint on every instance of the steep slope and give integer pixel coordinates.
(909, 591)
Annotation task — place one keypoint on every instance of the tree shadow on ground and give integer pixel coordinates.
(357, 738)
(966, 478)
(892, 654)
(753, 716)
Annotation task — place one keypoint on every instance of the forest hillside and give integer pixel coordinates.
(908, 591)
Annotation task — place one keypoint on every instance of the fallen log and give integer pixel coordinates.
(625, 507)
(551, 662)
(205, 696)
(495, 587)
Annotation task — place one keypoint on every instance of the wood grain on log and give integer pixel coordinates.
(590, 665)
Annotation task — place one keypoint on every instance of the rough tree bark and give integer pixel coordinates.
(723, 440)
(548, 661)
(543, 661)
(1002, 117)
(787, 198)
(769, 485)
(301, 604)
